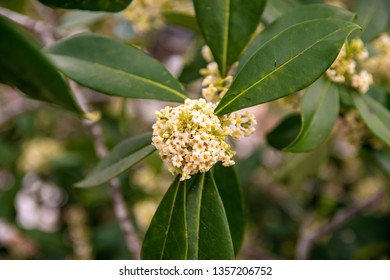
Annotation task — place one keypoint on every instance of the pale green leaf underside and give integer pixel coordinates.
(287, 63)
(208, 228)
(121, 158)
(166, 237)
(114, 68)
(374, 115)
(319, 111)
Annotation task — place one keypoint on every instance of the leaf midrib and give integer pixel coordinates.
(170, 218)
(314, 117)
(124, 73)
(125, 159)
(275, 70)
(365, 105)
(225, 39)
(198, 214)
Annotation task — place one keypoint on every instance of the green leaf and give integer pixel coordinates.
(92, 5)
(287, 63)
(195, 62)
(374, 115)
(373, 251)
(227, 26)
(121, 158)
(17, 6)
(208, 228)
(295, 16)
(382, 157)
(229, 189)
(22, 65)
(319, 109)
(181, 19)
(277, 8)
(285, 132)
(114, 68)
(80, 19)
(166, 237)
(373, 17)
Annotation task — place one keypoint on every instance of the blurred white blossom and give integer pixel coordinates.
(37, 153)
(347, 68)
(37, 204)
(191, 139)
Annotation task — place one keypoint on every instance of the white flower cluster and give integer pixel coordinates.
(191, 139)
(240, 124)
(382, 43)
(379, 64)
(148, 14)
(38, 153)
(214, 86)
(346, 67)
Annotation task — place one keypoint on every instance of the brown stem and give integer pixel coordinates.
(46, 33)
(120, 208)
(308, 236)
(16, 108)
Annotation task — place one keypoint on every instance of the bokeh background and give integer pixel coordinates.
(332, 203)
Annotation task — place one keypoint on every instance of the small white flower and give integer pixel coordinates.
(206, 53)
(191, 139)
(362, 81)
(345, 69)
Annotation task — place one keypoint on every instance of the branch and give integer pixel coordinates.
(44, 31)
(309, 236)
(16, 108)
(120, 208)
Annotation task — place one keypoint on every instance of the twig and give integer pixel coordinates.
(16, 108)
(308, 236)
(120, 209)
(44, 31)
(47, 34)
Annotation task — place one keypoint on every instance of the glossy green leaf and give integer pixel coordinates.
(277, 8)
(114, 68)
(77, 19)
(208, 228)
(319, 110)
(195, 62)
(374, 115)
(287, 63)
(92, 5)
(227, 26)
(285, 132)
(17, 6)
(373, 17)
(22, 65)
(121, 158)
(182, 20)
(166, 237)
(382, 157)
(230, 191)
(295, 16)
